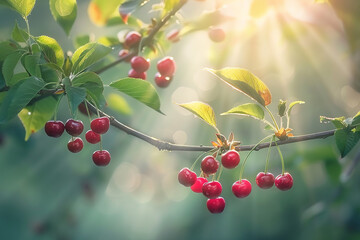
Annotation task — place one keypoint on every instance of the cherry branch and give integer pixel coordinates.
(167, 146)
(149, 39)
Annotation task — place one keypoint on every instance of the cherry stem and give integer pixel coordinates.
(57, 107)
(201, 155)
(272, 117)
(247, 156)
(282, 159)
(87, 111)
(268, 154)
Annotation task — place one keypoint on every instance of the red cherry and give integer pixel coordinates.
(197, 186)
(216, 205)
(187, 177)
(74, 127)
(133, 74)
(162, 81)
(139, 64)
(75, 145)
(166, 66)
(241, 188)
(212, 189)
(83, 110)
(217, 34)
(265, 180)
(101, 157)
(132, 39)
(92, 137)
(230, 159)
(123, 53)
(284, 182)
(100, 125)
(173, 36)
(209, 165)
(54, 128)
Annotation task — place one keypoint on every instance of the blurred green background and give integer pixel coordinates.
(301, 50)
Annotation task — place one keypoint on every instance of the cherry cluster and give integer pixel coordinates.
(74, 128)
(241, 189)
(139, 65)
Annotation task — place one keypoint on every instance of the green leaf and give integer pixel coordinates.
(169, 5)
(292, 105)
(19, 96)
(100, 11)
(64, 13)
(202, 110)
(81, 40)
(48, 73)
(248, 109)
(244, 81)
(117, 20)
(281, 108)
(118, 104)
(76, 95)
(35, 116)
(19, 34)
(9, 65)
(338, 122)
(346, 140)
(31, 64)
(109, 41)
(67, 66)
(356, 119)
(6, 48)
(51, 50)
(205, 21)
(18, 77)
(268, 127)
(139, 89)
(24, 7)
(93, 85)
(87, 55)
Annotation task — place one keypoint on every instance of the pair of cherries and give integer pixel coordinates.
(75, 128)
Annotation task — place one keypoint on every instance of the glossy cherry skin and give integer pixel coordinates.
(230, 159)
(216, 205)
(265, 180)
(139, 64)
(241, 188)
(54, 128)
(101, 157)
(217, 34)
(123, 53)
(197, 186)
(74, 127)
(162, 81)
(284, 182)
(212, 189)
(166, 66)
(75, 145)
(100, 125)
(209, 165)
(133, 74)
(92, 137)
(187, 177)
(132, 39)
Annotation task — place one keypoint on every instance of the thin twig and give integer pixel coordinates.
(167, 146)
